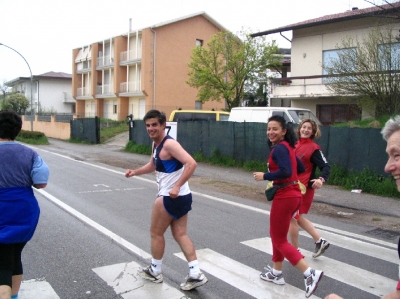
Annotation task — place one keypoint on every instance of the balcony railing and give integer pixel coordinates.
(306, 86)
(83, 91)
(83, 67)
(68, 97)
(132, 87)
(104, 89)
(131, 55)
(105, 61)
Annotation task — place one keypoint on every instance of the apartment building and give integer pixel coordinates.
(313, 43)
(51, 92)
(141, 70)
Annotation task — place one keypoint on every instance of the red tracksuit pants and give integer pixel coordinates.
(282, 211)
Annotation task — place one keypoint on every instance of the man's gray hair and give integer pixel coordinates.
(391, 126)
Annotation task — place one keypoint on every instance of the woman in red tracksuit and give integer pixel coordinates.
(311, 156)
(283, 167)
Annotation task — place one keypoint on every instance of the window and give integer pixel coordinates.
(283, 114)
(389, 57)
(331, 114)
(331, 56)
(198, 105)
(115, 109)
(199, 42)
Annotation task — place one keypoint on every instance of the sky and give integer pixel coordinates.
(44, 32)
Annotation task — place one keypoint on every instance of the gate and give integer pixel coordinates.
(86, 129)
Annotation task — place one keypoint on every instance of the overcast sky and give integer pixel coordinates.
(46, 31)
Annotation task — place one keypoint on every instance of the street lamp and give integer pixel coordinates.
(31, 80)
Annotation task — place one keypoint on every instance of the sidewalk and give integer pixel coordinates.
(332, 195)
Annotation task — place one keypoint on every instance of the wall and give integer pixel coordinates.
(51, 95)
(53, 129)
(174, 44)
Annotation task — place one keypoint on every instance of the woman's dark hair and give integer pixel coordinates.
(155, 114)
(290, 135)
(10, 124)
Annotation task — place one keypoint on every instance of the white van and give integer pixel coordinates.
(261, 114)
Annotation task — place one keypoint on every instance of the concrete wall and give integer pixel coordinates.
(53, 129)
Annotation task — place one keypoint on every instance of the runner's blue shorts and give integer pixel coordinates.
(178, 207)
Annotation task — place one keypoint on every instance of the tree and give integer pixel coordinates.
(256, 95)
(221, 69)
(16, 102)
(368, 71)
(3, 90)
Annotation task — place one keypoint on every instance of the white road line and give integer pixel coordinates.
(358, 246)
(250, 208)
(124, 280)
(243, 277)
(347, 274)
(95, 225)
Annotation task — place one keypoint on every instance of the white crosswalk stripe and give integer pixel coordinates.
(348, 274)
(385, 254)
(35, 289)
(124, 280)
(243, 277)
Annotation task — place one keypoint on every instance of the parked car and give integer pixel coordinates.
(261, 114)
(192, 115)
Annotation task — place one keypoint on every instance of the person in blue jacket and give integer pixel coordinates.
(21, 168)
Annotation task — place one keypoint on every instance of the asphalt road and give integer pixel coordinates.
(94, 220)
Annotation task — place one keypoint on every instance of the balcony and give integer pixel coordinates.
(132, 87)
(300, 87)
(68, 97)
(83, 67)
(105, 90)
(130, 57)
(105, 62)
(83, 92)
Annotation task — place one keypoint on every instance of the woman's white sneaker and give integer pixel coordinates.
(311, 281)
(269, 276)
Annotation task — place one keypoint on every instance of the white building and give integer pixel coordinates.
(51, 92)
(313, 43)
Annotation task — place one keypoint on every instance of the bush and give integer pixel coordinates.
(32, 137)
(31, 134)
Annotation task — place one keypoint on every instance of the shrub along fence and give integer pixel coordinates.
(351, 148)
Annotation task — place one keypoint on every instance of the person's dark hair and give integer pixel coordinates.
(155, 114)
(290, 136)
(10, 124)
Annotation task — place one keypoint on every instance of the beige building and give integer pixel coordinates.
(313, 43)
(141, 70)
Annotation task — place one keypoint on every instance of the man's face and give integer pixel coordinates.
(393, 151)
(154, 128)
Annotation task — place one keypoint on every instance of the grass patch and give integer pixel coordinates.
(132, 147)
(32, 137)
(110, 128)
(364, 123)
(376, 219)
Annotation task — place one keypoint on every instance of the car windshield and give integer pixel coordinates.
(299, 115)
(223, 117)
